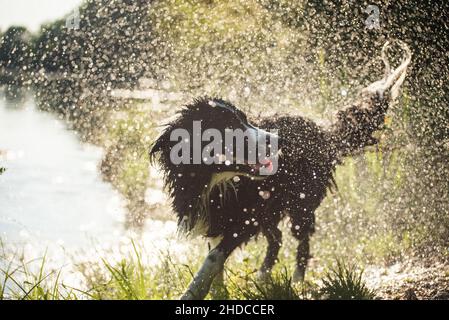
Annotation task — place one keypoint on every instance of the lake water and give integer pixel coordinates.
(51, 191)
(53, 202)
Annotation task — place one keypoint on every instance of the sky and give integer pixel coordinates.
(32, 13)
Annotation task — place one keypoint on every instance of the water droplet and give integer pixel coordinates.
(265, 194)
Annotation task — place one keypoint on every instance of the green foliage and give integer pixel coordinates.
(130, 278)
(232, 49)
(113, 44)
(278, 286)
(125, 165)
(15, 48)
(2, 170)
(52, 50)
(344, 282)
(23, 280)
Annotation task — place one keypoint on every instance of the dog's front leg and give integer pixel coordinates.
(200, 285)
(218, 288)
(218, 281)
(214, 263)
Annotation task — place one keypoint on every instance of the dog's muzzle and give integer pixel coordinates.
(267, 150)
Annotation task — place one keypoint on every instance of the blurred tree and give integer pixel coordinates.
(113, 44)
(52, 50)
(15, 48)
(340, 28)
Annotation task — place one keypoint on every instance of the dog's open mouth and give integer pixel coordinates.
(265, 166)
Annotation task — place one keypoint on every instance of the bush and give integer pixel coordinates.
(344, 282)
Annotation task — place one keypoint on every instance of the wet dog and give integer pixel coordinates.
(219, 195)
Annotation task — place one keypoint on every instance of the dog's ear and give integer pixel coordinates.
(154, 149)
(158, 145)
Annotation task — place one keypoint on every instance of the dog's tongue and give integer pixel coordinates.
(267, 164)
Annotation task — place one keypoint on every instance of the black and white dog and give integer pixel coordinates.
(219, 195)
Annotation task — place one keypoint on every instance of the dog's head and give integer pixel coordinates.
(210, 146)
(212, 136)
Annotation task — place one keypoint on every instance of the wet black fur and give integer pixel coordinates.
(309, 156)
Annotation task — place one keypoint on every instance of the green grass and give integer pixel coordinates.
(360, 226)
(19, 281)
(344, 282)
(279, 286)
(130, 279)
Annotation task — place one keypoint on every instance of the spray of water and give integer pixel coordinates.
(117, 69)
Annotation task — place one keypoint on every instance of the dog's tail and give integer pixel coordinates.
(356, 124)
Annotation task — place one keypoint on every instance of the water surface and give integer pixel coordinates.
(52, 191)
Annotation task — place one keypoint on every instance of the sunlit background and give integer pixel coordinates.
(32, 14)
(79, 109)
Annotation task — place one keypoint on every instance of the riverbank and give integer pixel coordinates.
(142, 269)
(52, 191)
(54, 203)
